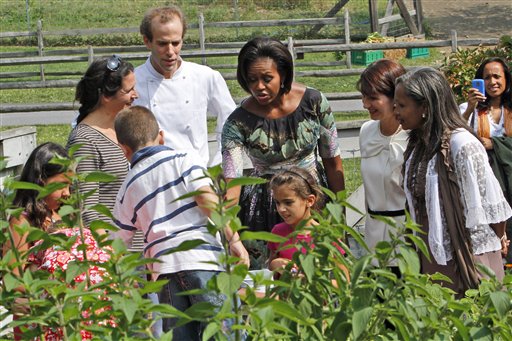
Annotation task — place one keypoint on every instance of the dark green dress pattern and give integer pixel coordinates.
(274, 144)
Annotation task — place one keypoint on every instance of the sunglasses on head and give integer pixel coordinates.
(113, 63)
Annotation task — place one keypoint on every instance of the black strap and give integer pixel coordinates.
(387, 213)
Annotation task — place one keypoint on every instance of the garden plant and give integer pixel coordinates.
(316, 303)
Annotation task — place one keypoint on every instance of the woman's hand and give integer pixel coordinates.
(474, 96)
(487, 143)
(504, 245)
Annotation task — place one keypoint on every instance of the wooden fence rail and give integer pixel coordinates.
(224, 24)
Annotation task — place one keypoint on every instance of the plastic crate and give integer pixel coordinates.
(366, 57)
(418, 52)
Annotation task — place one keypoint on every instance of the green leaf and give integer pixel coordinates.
(244, 181)
(501, 302)
(336, 211)
(128, 307)
(360, 321)
(342, 331)
(201, 310)
(286, 310)
(228, 284)
(66, 210)
(265, 236)
(480, 334)
(102, 209)
(419, 243)
(461, 328)
(358, 268)
(408, 261)
(185, 246)
(210, 331)
(307, 265)
(10, 281)
(266, 315)
(25, 185)
(99, 177)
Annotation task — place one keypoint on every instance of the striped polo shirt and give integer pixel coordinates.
(147, 202)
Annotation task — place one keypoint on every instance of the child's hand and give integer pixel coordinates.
(278, 264)
(238, 250)
(20, 306)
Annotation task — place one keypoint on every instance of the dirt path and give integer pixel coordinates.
(471, 18)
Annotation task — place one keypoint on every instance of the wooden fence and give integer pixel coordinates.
(202, 50)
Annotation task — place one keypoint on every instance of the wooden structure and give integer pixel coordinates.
(15, 146)
(414, 25)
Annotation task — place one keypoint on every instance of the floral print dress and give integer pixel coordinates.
(55, 259)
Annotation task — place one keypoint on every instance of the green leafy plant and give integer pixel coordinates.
(318, 302)
(58, 301)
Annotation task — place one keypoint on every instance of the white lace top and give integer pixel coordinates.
(482, 198)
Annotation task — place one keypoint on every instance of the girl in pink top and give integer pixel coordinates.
(295, 193)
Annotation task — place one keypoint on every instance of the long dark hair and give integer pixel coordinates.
(37, 170)
(428, 87)
(99, 80)
(506, 96)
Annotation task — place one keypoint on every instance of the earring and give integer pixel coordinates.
(423, 116)
(282, 85)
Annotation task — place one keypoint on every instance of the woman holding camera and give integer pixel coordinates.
(490, 115)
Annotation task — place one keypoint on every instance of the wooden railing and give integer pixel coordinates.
(203, 50)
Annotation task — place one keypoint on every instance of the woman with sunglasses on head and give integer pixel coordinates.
(107, 87)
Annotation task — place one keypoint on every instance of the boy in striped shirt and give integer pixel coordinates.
(147, 202)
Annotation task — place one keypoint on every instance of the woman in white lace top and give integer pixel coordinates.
(450, 188)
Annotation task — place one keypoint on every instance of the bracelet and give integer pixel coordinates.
(503, 238)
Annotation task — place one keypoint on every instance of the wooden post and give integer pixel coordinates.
(453, 35)
(292, 52)
(407, 17)
(389, 11)
(237, 15)
(332, 12)
(419, 15)
(202, 37)
(90, 55)
(374, 16)
(40, 47)
(348, 54)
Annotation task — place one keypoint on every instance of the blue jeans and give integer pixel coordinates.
(184, 281)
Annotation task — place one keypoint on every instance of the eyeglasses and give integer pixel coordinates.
(113, 63)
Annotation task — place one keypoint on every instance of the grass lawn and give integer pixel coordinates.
(109, 13)
(58, 133)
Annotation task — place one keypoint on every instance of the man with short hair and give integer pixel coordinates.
(180, 93)
(148, 201)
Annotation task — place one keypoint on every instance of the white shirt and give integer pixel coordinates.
(495, 129)
(181, 104)
(381, 169)
(482, 198)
